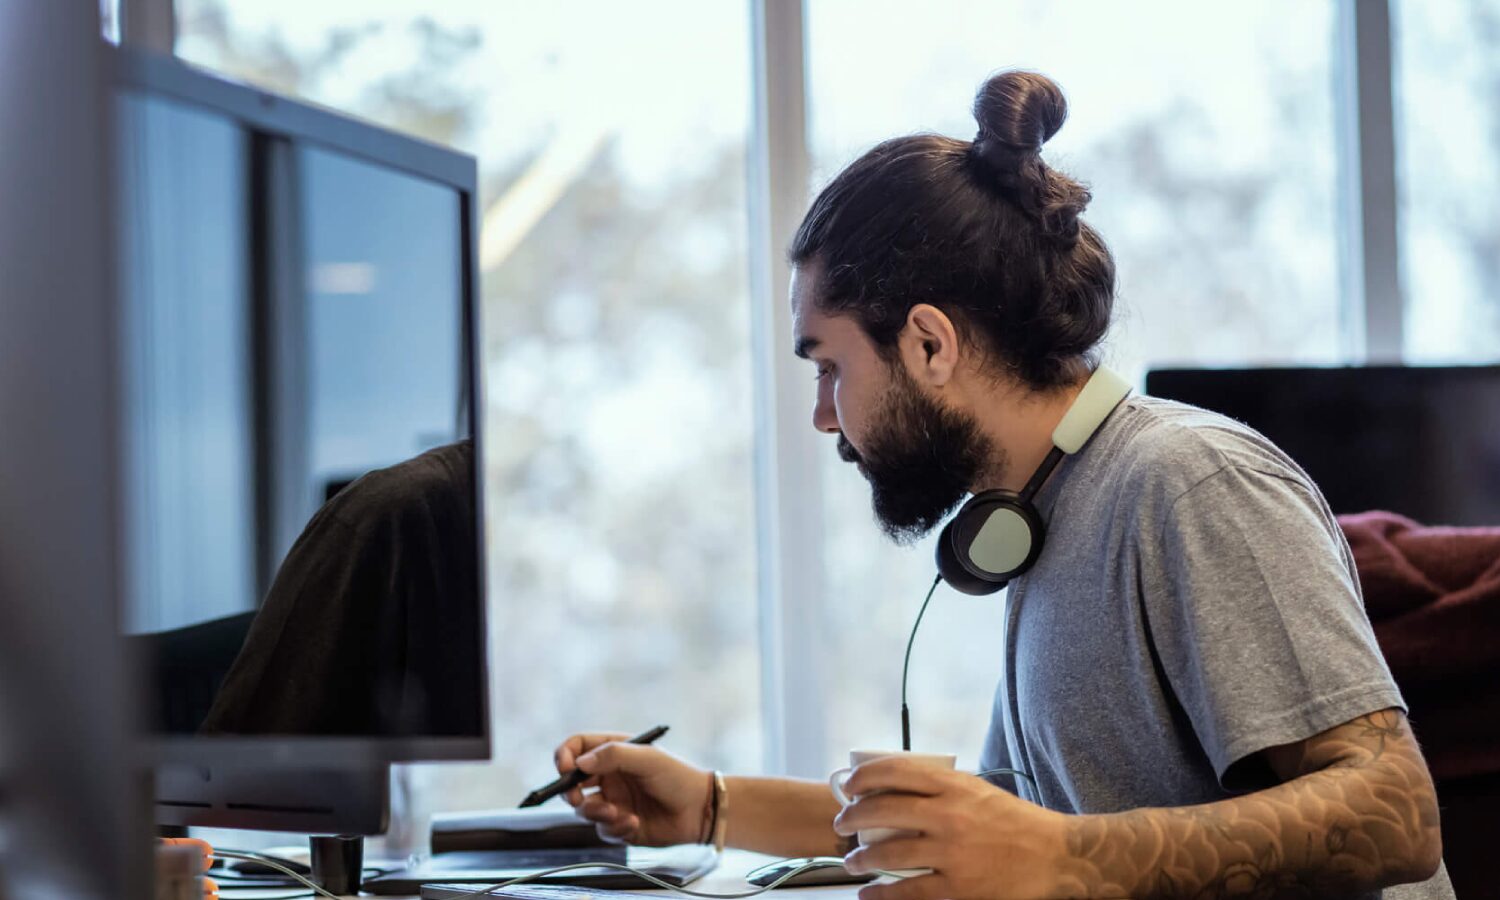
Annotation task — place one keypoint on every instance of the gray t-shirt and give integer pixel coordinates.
(1195, 603)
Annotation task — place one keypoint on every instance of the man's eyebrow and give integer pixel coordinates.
(806, 345)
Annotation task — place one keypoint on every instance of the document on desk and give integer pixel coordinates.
(571, 892)
(526, 892)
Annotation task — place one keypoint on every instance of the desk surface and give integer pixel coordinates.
(728, 878)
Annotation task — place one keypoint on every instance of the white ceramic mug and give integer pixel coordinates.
(870, 836)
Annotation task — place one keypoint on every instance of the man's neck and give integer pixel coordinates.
(1019, 424)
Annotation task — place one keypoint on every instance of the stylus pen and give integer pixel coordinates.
(576, 777)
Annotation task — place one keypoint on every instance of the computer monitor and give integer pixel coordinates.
(303, 515)
(70, 812)
(1422, 441)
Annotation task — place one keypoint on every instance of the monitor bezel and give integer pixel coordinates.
(259, 111)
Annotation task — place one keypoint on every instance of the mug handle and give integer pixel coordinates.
(836, 784)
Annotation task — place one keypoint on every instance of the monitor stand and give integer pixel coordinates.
(337, 862)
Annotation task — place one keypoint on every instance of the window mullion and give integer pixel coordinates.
(789, 500)
(1367, 182)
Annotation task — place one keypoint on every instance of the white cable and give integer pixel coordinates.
(265, 860)
(485, 892)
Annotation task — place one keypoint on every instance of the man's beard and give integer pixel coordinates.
(920, 459)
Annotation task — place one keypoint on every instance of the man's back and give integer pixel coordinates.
(1195, 604)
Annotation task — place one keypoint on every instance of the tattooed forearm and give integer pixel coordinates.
(1357, 813)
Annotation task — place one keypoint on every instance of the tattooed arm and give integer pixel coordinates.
(1356, 812)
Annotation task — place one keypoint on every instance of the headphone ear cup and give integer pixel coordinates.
(953, 572)
(995, 537)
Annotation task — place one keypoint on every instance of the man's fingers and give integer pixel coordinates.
(562, 757)
(923, 887)
(619, 756)
(905, 811)
(610, 835)
(566, 754)
(574, 795)
(622, 830)
(598, 809)
(894, 853)
(892, 773)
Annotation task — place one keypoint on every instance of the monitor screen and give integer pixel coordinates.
(301, 491)
(1420, 441)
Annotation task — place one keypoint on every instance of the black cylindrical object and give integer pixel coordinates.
(337, 862)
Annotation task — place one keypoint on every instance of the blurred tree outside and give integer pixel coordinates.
(1448, 154)
(616, 348)
(422, 99)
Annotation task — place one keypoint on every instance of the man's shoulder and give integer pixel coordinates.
(1162, 449)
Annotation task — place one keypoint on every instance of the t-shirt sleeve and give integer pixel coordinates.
(996, 753)
(1257, 617)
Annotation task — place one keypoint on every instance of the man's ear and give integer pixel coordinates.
(929, 345)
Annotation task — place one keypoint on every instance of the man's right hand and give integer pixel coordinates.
(645, 796)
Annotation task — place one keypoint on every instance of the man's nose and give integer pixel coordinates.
(825, 417)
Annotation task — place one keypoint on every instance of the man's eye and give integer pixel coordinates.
(823, 371)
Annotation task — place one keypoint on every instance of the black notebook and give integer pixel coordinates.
(680, 865)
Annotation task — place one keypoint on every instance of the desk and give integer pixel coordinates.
(728, 878)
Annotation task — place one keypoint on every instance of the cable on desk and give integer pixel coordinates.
(489, 891)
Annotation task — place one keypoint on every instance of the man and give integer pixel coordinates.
(1190, 682)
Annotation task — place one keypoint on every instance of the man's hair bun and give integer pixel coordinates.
(1017, 113)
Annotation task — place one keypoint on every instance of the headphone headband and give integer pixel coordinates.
(998, 534)
(1100, 395)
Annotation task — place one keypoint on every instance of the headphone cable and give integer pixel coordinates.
(906, 665)
(906, 712)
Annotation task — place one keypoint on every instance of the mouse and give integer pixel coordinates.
(831, 871)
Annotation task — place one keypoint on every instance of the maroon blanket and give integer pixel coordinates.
(1433, 595)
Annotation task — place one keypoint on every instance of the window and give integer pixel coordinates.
(616, 342)
(1206, 134)
(1447, 99)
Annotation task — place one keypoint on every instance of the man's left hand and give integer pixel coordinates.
(978, 840)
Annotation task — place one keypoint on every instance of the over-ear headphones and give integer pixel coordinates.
(998, 534)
